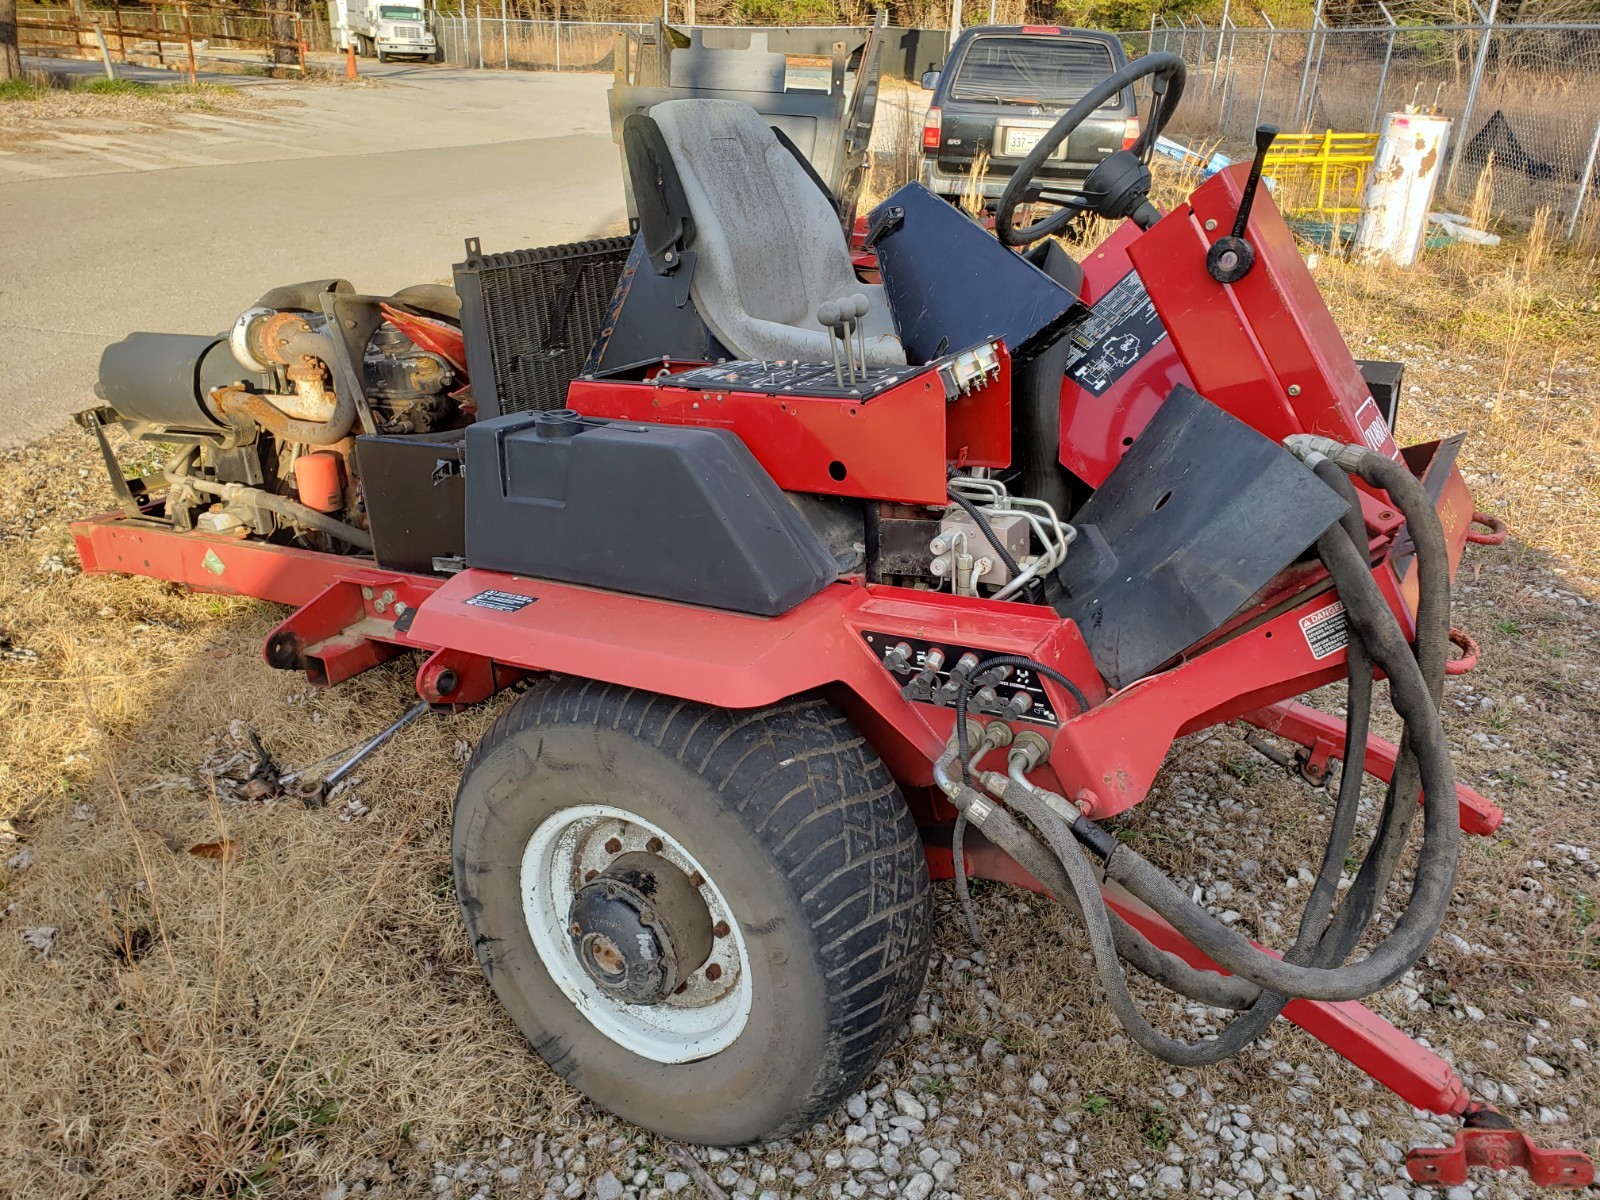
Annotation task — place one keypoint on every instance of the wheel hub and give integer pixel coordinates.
(640, 929)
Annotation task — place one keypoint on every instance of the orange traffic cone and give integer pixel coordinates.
(350, 60)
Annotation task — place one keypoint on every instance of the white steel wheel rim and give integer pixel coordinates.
(708, 1015)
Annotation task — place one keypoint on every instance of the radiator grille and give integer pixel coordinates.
(530, 317)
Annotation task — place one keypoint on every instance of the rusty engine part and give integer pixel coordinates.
(270, 409)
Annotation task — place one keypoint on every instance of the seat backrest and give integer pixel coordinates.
(756, 69)
(767, 242)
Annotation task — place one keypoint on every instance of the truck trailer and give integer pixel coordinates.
(383, 31)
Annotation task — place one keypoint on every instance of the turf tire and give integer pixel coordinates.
(799, 823)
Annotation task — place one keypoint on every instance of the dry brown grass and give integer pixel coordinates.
(309, 1013)
(200, 1026)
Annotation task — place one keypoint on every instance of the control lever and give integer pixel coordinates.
(842, 319)
(1230, 258)
(828, 318)
(861, 304)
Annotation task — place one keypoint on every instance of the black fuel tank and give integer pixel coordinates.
(677, 512)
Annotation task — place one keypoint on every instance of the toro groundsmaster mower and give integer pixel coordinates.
(828, 572)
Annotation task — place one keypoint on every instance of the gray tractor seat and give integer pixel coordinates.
(768, 247)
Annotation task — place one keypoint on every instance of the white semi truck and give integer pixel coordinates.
(382, 30)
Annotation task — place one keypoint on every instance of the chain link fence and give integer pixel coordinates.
(482, 39)
(1525, 100)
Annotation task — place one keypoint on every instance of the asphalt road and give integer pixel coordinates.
(107, 229)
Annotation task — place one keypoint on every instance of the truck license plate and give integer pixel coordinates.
(1019, 142)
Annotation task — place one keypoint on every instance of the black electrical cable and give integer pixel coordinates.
(1022, 660)
(993, 539)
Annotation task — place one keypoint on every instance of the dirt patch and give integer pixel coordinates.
(55, 114)
(142, 106)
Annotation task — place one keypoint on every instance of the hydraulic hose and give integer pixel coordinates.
(1312, 968)
(1085, 887)
(1311, 945)
(1006, 832)
(294, 510)
(1435, 873)
(1433, 648)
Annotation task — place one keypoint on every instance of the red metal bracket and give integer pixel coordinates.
(349, 627)
(1305, 725)
(459, 679)
(1492, 1143)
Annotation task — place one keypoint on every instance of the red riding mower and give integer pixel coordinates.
(821, 589)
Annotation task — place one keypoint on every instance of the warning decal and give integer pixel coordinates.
(506, 602)
(1327, 630)
(1116, 333)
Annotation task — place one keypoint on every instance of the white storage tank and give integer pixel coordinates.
(1400, 186)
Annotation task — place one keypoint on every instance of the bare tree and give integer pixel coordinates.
(10, 56)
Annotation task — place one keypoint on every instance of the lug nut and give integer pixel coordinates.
(680, 989)
(590, 874)
(721, 929)
(653, 845)
(713, 972)
(697, 880)
(613, 846)
(574, 929)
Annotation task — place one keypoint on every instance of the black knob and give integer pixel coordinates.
(1230, 258)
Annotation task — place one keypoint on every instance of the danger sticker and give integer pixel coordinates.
(506, 602)
(1327, 630)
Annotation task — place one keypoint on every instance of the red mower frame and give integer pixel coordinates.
(1264, 349)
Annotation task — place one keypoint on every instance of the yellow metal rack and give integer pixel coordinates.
(1320, 172)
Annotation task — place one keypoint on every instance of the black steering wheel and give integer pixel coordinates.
(1167, 73)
